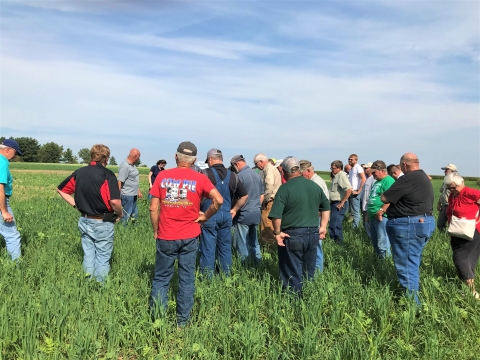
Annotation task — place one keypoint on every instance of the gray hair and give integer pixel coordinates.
(259, 157)
(185, 158)
(453, 178)
(3, 146)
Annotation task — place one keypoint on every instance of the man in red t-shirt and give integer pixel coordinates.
(176, 218)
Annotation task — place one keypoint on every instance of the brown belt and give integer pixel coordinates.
(96, 217)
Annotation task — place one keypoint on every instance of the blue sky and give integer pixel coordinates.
(316, 79)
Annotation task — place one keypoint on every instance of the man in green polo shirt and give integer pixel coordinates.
(294, 214)
(8, 150)
(376, 209)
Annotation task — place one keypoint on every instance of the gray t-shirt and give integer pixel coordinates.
(129, 176)
(250, 213)
(320, 182)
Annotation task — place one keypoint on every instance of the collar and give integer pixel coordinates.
(95, 163)
(245, 167)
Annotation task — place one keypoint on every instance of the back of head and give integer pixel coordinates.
(99, 153)
(290, 165)
(305, 165)
(453, 178)
(186, 152)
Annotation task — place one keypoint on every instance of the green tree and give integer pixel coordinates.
(29, 147)
(137, 163)
(68, 157)
(50, 153)
(84, 154)
(113, 161)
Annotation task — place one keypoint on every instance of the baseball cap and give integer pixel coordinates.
(12, 144)
(212, 152)
(367, 165)
(305, 164)
(237, 158)
(451, 167)
(289, 163)
(278, 162)
(187, 148)
(378, 165)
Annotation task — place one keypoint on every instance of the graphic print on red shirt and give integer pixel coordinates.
(180, 191)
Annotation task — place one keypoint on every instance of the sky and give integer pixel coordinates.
(318, 80)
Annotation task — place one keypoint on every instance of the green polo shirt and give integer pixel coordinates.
(5, 176)
(374, 203)
(298, 202)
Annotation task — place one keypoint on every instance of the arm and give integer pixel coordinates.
(120, 185)
(7, 217)
(381, 211)
(362, 182)
(217, 201)
(262, 197)
(238, 205)
(277, 223)
(150, 179)
(67, 197)
(117, 207)
(324, 223)
(384, 199)
(345, 198)
(269, 185)
(140, 195)
(154, 214)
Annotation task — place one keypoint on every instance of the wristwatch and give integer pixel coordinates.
(276, 232)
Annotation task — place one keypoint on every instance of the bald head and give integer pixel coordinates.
(409, 162)
(133, 156)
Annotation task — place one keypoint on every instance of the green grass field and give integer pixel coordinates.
(354, 310)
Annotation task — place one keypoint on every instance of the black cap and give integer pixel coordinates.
(187, 148)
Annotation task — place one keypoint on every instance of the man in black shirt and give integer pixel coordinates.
(410, 222)
(216, 232)
(97, 197)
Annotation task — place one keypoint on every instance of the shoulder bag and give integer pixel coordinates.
(462, 228)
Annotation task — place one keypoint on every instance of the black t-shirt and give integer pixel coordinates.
(410, 195)
(94, 186)
(237, 190)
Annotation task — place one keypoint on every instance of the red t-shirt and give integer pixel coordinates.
(180, 191)
(464, 205)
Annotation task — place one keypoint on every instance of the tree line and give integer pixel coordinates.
(52, 152)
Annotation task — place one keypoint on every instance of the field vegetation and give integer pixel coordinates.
(354, 310)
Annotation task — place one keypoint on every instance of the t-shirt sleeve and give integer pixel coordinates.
(122, 172)
(387, 184)
(67, 186)
(3, 172)
(359, 169)
(155, 190)
(152, 169)
(113, 187)
(278, 203)
(472, 194)
(324, 203)
(399, 189)
(240, 190)
(344, 183)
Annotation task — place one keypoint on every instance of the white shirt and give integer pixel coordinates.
(354, 176)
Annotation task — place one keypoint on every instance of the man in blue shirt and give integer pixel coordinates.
(8, 150)
(246, 220)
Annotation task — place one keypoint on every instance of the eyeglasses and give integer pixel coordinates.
(351, 159)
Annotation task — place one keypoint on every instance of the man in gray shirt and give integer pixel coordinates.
(129, 183)
(339, 193)
(245, 222)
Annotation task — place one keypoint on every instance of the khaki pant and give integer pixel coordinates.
(266, 226)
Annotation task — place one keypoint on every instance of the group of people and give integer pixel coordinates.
(293, 207)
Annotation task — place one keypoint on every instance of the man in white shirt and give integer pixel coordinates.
(364, 196)
(308, 172)
(357, 180)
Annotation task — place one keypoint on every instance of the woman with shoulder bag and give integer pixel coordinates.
(464, 227)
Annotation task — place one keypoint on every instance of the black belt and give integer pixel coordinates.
(96, 217)
(404, 216)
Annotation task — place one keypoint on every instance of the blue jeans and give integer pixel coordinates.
(10, 232)
(408, 236)
(186, 253)
(354, 208)
(216, 241)
(319, 262)
(296, 260)
(130, 208)
(335, 229)
(97, 243)
(245, 239)
(379, 236)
